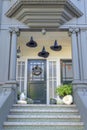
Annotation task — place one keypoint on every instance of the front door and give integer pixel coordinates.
(37, 81)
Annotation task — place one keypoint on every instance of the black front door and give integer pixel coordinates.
(37, 81)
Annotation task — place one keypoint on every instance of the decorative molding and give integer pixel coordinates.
(73, 31)
(14, 30)
(81, 88)
(44, 13)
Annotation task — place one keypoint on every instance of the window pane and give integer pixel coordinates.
(23, 69)
(21, 75)
(52, 78)
(66, 69)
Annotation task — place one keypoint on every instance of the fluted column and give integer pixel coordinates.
(13, 57)
(75, 54)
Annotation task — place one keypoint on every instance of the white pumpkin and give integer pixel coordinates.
(68, 99)
(22, 97)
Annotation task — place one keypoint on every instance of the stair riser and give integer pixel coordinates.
(44, 128)
(43, 120)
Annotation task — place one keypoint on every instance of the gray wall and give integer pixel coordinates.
(0, 11)
(80, 98)
(7, 98)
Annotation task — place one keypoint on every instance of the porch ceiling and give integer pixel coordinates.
(43, 13)
(46, 40)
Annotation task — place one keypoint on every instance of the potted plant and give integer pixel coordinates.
(64, 90)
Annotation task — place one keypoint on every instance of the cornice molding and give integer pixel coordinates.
(59, 3)
(23, 10)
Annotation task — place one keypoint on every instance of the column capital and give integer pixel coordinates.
(14, 30)
(73, 31)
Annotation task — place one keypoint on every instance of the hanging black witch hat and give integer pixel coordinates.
(43, 53)
(18, 52)
(56, 47)
(31, 43)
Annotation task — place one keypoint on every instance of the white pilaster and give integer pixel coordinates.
(13, 56)
(75, 56)
(83, 40)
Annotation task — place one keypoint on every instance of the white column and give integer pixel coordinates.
(13, 56)
(75, 56)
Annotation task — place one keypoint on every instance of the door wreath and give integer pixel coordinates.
(36, 70)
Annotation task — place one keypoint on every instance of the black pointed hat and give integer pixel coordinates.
(43, 53)
(18, 52)
(31, 43)
(56, 47)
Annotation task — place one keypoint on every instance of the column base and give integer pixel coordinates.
(11, 86)
(79, 86)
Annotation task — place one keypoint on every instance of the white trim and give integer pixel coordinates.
(25, 82)
(58, 73)
(23, 60)
(58, 78)
(48, 82)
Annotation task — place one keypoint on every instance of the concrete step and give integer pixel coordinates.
(43, 117)
(57, 118)
(43, 126)
(43, 112)
(35, 106)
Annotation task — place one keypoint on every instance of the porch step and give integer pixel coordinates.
(43, 111)
(43, 117)
(27, 118)
(43, 126)
(32, 106)
(26, 109)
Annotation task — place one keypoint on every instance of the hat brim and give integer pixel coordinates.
(57, 48)
(31, 45)
(45, 55)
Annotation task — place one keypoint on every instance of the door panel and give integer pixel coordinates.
(37, 81)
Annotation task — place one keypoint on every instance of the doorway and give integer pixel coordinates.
(36, 89)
